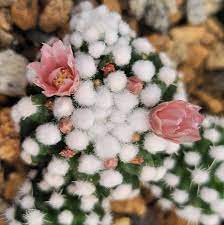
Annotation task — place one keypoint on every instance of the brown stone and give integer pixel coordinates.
(180, 2)
(161, 42)
(3, 100)
(169, 218)
(189, 73)
(215, 105)
(134, 206)
(178, 52)
(12, 73)
(24, 13)
(122, 221)
(133, 23)
(113, 5)
(9, 144)
(2, 222)
(9, 150)
(197, 54)
(209, 38)
(175, 17)
(5, 38)
(12, 185)
(5, 19)
(213, 26)
(216, 57)
(1, 179)
(6, 3)
(55, 15)
(188, 34)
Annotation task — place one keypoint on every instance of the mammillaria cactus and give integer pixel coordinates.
(87, 127)
(194, 182)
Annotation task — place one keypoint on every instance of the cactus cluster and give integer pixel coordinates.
(85, 129)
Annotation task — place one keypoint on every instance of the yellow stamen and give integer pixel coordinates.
(59, 80)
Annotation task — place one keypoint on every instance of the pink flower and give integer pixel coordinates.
(177, 121)
(134, 85)
(56, 72)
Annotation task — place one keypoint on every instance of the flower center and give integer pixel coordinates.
(63, 75)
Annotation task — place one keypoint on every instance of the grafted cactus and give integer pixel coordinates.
(86, 124)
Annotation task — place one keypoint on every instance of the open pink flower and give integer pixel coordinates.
(177, 121)
(56, 72)
(134, 85)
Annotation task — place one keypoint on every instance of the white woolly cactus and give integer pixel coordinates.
(99, 121)
(194, 182)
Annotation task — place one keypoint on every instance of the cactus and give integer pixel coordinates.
(84, 124)
(194, 183)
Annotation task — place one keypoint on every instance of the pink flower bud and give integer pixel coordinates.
(134, 85)
(108, 68)
(110, 163)
(67, 153)
(177, 121)
(65, 125)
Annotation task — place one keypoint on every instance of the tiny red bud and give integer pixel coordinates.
(110, 163)
(134, 85)
(67, 153)
(108, 68)
(65, 125)
(137, 160)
